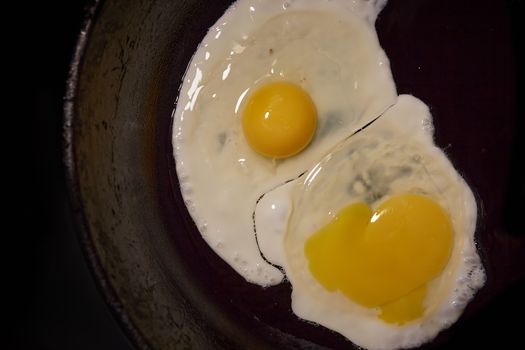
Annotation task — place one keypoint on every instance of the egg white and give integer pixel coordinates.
(394, 155)
(330, 49)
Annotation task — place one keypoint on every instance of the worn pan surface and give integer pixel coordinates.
(169, 290)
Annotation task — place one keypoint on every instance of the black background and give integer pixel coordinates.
(53, 301)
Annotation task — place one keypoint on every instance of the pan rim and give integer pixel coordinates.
(84, 236)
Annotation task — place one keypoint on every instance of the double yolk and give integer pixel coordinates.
(386, 258)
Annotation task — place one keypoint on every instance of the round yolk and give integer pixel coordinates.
(383, 258)
(279, 120)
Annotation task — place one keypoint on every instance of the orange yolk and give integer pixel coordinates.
(279, 120)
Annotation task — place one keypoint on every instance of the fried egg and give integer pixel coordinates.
(377, 239)
(296, 157)
(317, 63)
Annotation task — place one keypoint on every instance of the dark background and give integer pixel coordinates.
(53, 301)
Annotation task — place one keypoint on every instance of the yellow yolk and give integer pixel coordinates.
(279, 120)
(386, 258)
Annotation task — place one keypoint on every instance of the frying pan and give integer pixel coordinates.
(167, 288)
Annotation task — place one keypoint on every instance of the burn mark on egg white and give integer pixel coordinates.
(221, 138)
(387, 175)
(332, 120)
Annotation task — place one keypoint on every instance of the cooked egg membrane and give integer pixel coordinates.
(328, 48)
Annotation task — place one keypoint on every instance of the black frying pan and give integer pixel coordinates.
(169, 290)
